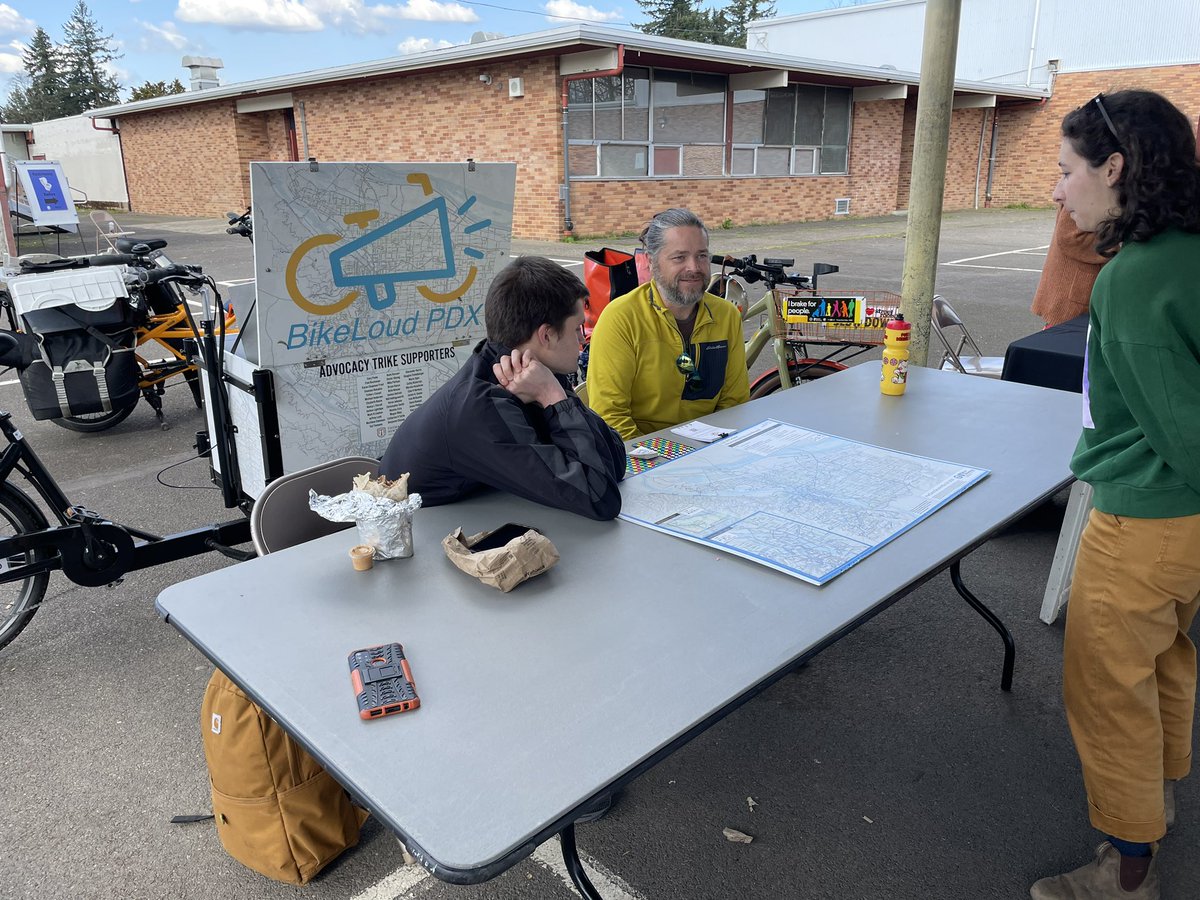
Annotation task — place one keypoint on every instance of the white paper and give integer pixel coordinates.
(699, 431)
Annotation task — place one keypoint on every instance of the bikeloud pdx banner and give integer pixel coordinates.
(370, 286)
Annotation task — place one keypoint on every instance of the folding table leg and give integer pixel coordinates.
(574, 867)
(1058, 585)
(1010, 647)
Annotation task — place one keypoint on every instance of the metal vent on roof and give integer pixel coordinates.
(841, 207)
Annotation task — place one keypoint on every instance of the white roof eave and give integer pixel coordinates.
(560, 38)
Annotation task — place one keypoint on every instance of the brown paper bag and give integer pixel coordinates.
(526, 555)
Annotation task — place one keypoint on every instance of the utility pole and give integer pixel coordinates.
(935, 103)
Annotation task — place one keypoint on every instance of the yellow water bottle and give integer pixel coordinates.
(893, 376)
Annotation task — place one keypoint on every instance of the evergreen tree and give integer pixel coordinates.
(683, 20)
(38, 95)
(85, 52)
(739, 13)
(151, 89)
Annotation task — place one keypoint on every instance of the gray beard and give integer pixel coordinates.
(675, 298)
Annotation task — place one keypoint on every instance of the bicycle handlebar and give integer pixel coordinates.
(772, 270)
(153, 276)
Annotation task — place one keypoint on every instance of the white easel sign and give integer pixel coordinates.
(47, 193)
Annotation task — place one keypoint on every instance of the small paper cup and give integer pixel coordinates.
(363, 557)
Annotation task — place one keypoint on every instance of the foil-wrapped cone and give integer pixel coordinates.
(385, 525)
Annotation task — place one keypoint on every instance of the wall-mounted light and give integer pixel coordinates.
(485, 78)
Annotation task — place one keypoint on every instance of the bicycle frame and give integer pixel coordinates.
(793, 355)
(165, 329)
(90, 549)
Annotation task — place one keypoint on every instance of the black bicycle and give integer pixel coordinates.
(87, 547)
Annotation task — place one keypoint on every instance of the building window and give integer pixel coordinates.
(663, 123)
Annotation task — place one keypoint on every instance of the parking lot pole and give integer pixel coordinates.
(935, 104)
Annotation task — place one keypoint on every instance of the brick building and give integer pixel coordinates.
(1070, 50)
(748, 136)
(754, 135)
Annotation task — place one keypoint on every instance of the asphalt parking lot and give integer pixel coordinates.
(892, 766)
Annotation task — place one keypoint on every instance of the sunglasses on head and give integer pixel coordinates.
(1112, 129)
(687, 368)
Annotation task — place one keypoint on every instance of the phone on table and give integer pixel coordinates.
(500, 537)
(382, 681)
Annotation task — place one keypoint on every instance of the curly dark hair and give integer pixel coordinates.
(1159, 186)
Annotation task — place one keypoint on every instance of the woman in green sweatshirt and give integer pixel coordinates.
(1130, 175)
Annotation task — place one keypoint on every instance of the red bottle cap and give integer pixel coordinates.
(898, 329)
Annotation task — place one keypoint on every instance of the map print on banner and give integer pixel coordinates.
(802, 502)
(371, 279)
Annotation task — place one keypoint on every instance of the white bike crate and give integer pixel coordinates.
(92, 290)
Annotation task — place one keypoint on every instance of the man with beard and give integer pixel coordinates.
(668, 351)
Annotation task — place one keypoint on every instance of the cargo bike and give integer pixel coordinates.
(86, 546)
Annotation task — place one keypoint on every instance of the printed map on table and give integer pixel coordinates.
(806, 503)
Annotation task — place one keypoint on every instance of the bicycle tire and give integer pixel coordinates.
(19, 599)
(89, 423)
(801, 371)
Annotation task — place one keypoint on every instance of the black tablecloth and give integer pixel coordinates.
(1051, 358)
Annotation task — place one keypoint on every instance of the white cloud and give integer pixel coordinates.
(255, 15)
(429, 11)
(158, 35)
(569, 9)
(12, 22)
(11, 63)
(419, 45)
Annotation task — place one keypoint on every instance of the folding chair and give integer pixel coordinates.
(945, 322)
(107, 228)
(581, 392)
(281, 518)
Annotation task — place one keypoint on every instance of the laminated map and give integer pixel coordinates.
(803, 502)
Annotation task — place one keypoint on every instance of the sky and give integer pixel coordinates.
(264, 38)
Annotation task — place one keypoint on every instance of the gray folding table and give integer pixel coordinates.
(535, 702)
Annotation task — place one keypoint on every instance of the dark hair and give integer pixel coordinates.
(654, 235)
(529, 292)
(1159, 186)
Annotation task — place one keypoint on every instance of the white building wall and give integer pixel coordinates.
(995, 36)
(90, 158)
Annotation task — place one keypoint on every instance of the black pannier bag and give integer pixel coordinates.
(77, 368)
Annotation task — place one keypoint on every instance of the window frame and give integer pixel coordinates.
(729, 146)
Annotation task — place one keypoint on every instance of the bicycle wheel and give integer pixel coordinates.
(19, 599)
(802, 371)
(92, 422)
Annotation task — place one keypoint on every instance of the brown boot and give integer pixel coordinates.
(1098, 880)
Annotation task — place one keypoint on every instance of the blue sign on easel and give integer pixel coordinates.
(47, 193)
(47, 190)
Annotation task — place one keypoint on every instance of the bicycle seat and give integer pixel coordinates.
(126, 245)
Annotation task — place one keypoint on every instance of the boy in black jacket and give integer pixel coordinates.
(509, 419)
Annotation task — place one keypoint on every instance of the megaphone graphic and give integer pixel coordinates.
(355, 266)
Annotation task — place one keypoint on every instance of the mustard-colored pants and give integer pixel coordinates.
(1129, 668)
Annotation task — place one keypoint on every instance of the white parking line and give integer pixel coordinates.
(395, 885)
(993, 268)
(608, 885)
(967, 259)
(399, 883)
(562, 262)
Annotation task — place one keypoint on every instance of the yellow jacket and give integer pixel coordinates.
(632, 379)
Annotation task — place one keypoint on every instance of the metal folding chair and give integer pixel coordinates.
(281, 518)
(945, 323)
(107, 228)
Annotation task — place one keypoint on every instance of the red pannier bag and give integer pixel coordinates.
(608, 274)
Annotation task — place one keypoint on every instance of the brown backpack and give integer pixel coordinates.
(277, 810)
